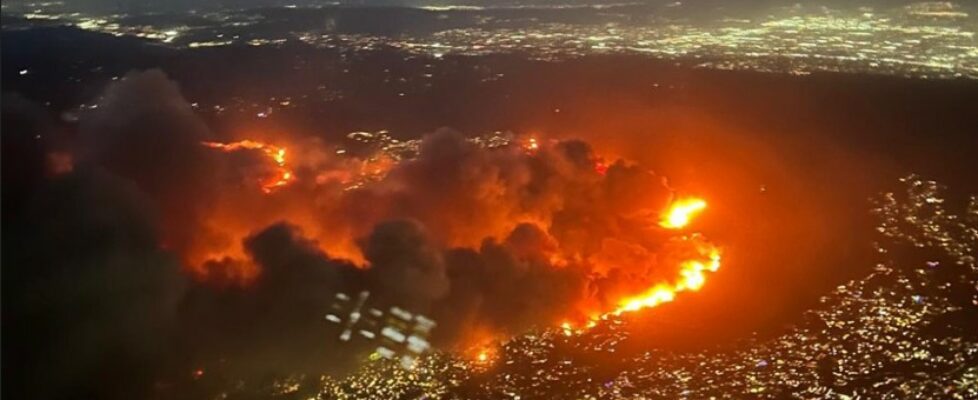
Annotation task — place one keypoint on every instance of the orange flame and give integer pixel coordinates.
(530, 146)
(283, 175)
(484, 356)
(681, 212)
(567, 328)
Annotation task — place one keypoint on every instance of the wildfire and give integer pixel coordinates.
(681, 212)
(283, 175)
(692, 276)
(692, 272)
(693, 258)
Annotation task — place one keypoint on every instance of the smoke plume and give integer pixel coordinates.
(153, 249)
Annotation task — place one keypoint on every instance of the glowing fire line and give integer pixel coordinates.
(691, 277)
(283, 177)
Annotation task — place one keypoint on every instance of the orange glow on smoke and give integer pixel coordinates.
(308, 206)
(283, 175)
(600, 167)
(681, 212)
(60, 162)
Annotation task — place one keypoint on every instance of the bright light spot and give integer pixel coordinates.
(681, 212)
(531, 145)
(483, 356)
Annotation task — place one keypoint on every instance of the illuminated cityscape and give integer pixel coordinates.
(925, 40)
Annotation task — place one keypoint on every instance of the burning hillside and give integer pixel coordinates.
(489, 235)
(609, 238)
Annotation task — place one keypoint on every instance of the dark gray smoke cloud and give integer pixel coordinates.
(89, 297)
(275, 324)
(145, 131)
(508, 286)
(405, 264)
